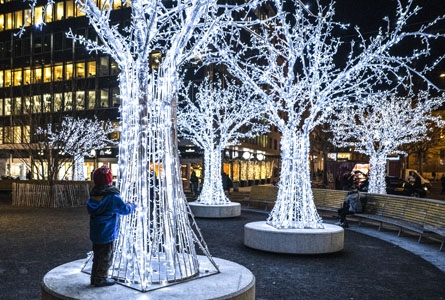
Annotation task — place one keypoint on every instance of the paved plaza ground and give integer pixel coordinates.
(36, 240)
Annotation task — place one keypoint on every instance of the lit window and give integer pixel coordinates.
(17, 135)
(18, 19)
(47, 74)
(26, 135)
(91, 69)
(2, 82)
(2, 22)
(1, 107)
(8, 78)
(80, 100)
(1, 135)
(49, 13)
(68, 71)
(47, 103)
(69, 9)
(18, 106)
(17, 77)
(8, 106)
(80, 70)
(68, 101)
(57, 102)
(38, 15)
(37, 75)
(27, 76)
(58, 72)
(8, 21)
(60, 15)
(36, 104)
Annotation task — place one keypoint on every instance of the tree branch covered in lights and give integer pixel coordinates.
(221, 114)
(381, 128)
(294, 61)
(156, 245)
(78, 137)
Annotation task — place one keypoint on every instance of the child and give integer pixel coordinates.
(104, 206)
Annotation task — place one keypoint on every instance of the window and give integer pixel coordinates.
(80, 70)
(59, 12)
(47, 74)
(18, 16)
(17, 73)
(8, 135)
(47, 103)
(17, 134)
(58, 72)
(37, 76)
(37, 45)
(68, 101)
(80, 100)
(27, 76)
(26, 135)
(46, 43)
(1, 135)
(68, 71)
(8, 106)
(8, 78)
(91, 99)
(104, 98)
(69, 9)
(1, 107)
(2, 82)
(91, 69)
(18, 106)
(38, 15)
(114, 68)
(57, 102)
(49, 13)
(115, 97)
(103, 66)
(8, 21)
(26, 46)
(18, 47)
(2, 22)
(59, 37)
(36, 104)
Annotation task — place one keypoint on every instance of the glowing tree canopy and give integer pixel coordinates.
(221, 114)
(382, 127)
(293, 60)
(78, 137)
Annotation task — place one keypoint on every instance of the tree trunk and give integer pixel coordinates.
(212, 190)
(294, 207)
(377, 173)
(155, 241)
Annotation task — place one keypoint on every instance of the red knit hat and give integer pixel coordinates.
(102, 176)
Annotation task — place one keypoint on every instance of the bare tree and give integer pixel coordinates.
(381, 128)
(222, 113)
(78, 137)
(294, 61)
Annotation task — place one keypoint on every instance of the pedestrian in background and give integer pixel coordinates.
(104, 207)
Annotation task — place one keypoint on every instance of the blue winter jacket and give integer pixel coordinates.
(104, 206)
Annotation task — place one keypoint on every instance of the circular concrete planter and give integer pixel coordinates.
(229, 210)
(259, 235)
(233, 282)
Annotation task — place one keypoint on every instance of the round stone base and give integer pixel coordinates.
(233, 282)
(259, 235)
(228, 210)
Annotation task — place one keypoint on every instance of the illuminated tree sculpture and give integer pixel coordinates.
(78, 137)
(156, 245)
(382, 127)
(221, 114)
(295, 61)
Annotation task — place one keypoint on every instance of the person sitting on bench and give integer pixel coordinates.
(351, 205)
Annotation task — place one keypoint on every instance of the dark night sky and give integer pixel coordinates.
(368, 15)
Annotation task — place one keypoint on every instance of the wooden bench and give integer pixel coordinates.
(328, 200)
(261, 196)
(435, 221)
(396, 211)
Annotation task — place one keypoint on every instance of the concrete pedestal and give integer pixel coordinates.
(228, 210)
(233, 282)
(259, 235)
